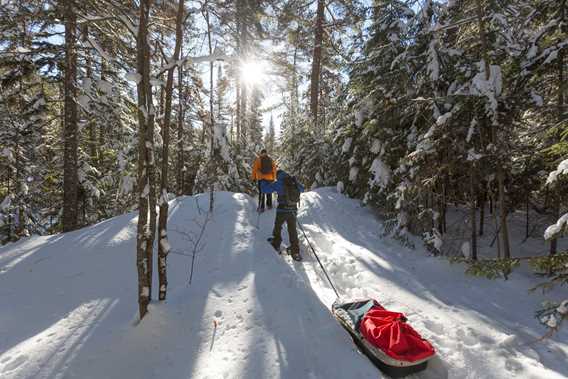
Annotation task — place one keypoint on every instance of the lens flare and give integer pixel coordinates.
(253, 73)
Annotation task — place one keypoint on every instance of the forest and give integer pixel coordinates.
(448, 120)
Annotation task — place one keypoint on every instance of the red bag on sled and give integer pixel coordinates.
(389, 331)
(384, 337)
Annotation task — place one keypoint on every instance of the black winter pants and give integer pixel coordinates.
(262, 197)
(290, 219)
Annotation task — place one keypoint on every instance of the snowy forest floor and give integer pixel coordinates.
(459, 232)
(69, 302)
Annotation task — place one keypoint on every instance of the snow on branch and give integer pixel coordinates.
(215, 56)
(552, 314)
(561, 170)
(554, 230)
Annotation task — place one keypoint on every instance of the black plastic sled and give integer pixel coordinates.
(350, 315)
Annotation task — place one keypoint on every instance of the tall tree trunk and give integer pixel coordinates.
(163, 244)
(493, 133)
(20, 225)
(473, 212)
(90, 121)
(557, 199)
(316, 62)
(101, 135)
(497, 226)
(232, 128)
(482, 201)
(151, 169)
(212, 166)
(244, 113)
(180, 157)
(219, 92)
(527, 217)
(242, 32)
(295, 103)
(70, 175)
(237, 137)
(238, 84)
(145, 121)
(503, 213)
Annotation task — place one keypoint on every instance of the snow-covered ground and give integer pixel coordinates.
(69, 302)
(459, 233)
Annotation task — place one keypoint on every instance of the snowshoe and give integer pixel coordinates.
(295, 256)
(278, 250)
(384, 337)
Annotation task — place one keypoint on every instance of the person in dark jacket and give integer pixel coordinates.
(285, 212)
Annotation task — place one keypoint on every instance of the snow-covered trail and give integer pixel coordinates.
(249, 313)
(72, 305)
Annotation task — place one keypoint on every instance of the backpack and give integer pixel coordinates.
(265, 165)
(291, 192)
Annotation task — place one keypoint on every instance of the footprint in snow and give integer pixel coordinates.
(469, 337)
(6, 359)
(219, 313)
(434, 327)
(513, 365)
(487, 340)
(17, 362)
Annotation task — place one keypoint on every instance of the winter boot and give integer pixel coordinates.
(271, 240)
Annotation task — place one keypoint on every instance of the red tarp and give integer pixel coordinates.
(389, 332)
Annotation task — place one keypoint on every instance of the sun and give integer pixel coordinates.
(253, 73)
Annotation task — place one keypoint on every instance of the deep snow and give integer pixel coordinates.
(69, 302)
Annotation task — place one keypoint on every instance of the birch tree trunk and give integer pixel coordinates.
(163, 245)
(145, 121)
(151, 171)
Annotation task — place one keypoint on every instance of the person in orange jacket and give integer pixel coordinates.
(263, 169)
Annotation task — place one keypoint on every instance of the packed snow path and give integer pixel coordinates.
(69, 302)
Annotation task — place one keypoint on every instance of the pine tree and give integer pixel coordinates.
(270, 137)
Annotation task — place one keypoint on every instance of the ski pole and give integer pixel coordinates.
(315, 254)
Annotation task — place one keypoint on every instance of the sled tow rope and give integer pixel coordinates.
(317, 258)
